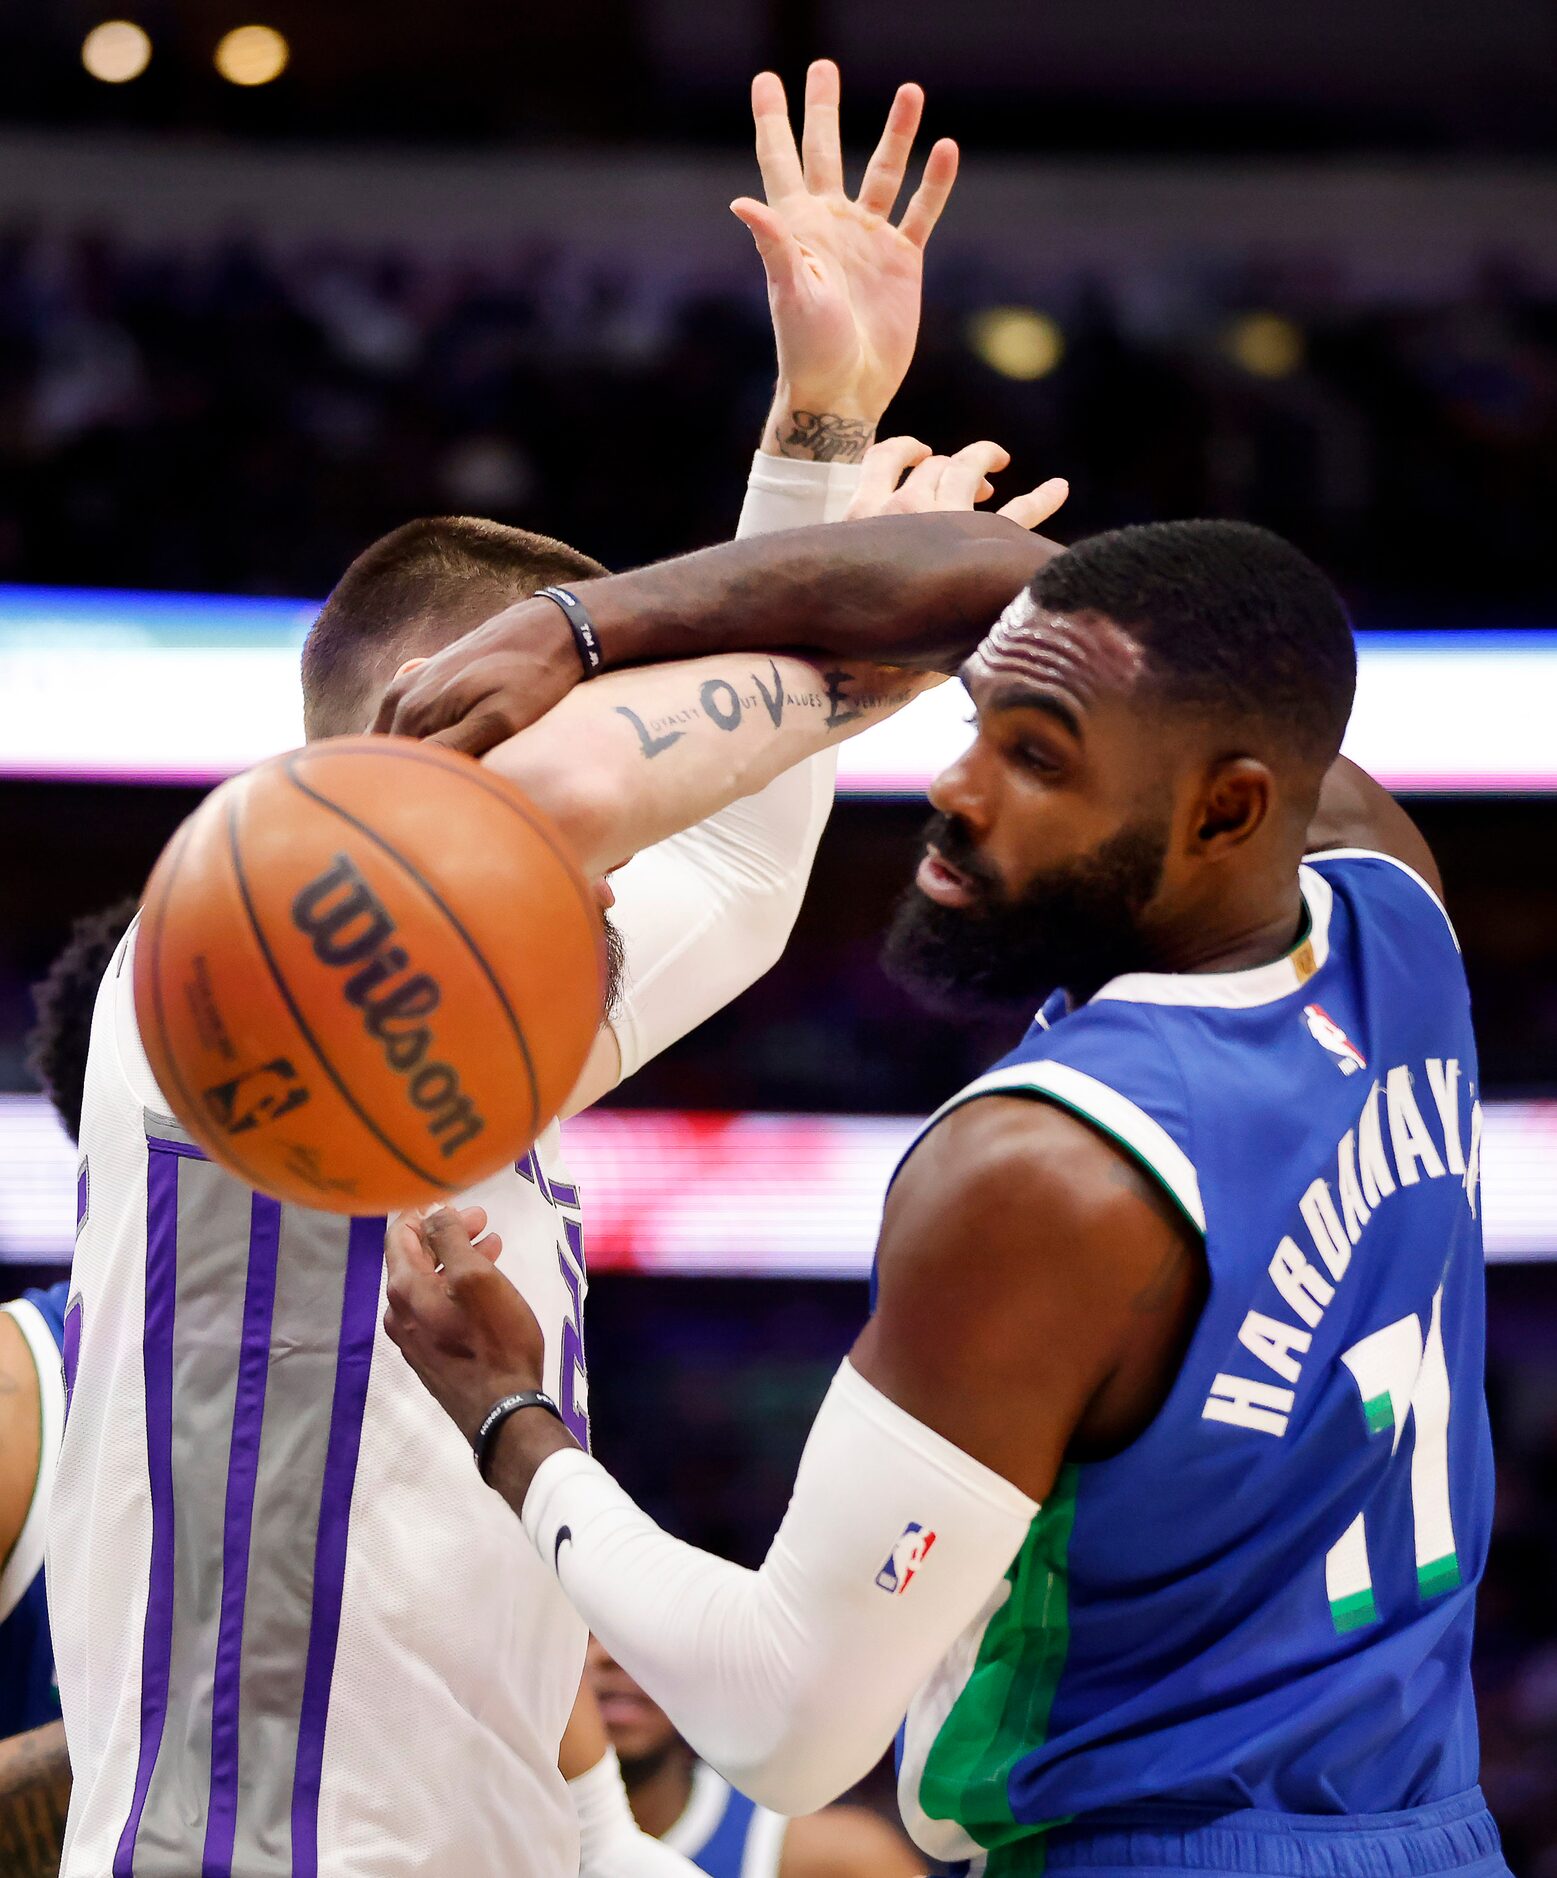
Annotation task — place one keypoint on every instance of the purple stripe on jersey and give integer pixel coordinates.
(259, 1303)
(83, 1195)
(359, 1320)
(186, 1149)
(157, 1356)
(70, 1348)
(563, 1195)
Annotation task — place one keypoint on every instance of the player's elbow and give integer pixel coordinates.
(761, 924)
(586, 807)
(805, 1767)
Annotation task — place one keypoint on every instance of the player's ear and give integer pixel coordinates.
(1235, 800)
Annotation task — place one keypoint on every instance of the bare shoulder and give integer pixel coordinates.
(1356, 812)
(847, 1842)
(1035, 1286)
(1030, 1173)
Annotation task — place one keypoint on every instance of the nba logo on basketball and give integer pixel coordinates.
(909, 1553)
(1328, 1034)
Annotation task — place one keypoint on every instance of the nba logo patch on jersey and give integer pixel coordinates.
(907, 1555)
(1328, 1034)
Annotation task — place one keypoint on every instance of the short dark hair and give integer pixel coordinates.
(1234, 621)
(65, 1000)
(414, 591)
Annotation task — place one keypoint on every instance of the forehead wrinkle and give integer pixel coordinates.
(1080, 655)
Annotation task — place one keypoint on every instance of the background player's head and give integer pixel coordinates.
(413, 592)
(642, 1733)
(64, 1001)
(1156, 713)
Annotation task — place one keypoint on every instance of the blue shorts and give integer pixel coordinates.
(1455, 1835)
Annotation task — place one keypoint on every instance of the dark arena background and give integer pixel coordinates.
(265, 294)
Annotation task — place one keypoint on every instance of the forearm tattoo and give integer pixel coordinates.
(824, 437)
(34, 1798)
(724, 705)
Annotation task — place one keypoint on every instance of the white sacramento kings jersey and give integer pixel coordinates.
(295, 1632)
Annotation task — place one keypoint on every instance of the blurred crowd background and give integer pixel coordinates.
(286, 408)
(1299, 268)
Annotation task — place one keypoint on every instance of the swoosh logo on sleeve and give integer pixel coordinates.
(564, 1537)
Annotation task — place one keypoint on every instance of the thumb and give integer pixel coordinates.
(779, 250)
(1029, 510)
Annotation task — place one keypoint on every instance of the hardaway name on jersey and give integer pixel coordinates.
(1266, 1599)
(295, 1633)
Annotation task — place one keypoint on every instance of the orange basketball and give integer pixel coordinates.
(368, 973)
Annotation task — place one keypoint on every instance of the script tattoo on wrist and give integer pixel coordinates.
(724, 705)
(824, 436)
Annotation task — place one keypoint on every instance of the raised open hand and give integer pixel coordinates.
(901, 476)
(844, 281)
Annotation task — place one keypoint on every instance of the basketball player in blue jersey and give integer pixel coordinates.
(686, 1805)
(1156, 1491)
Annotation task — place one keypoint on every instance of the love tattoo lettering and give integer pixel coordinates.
(725, 706)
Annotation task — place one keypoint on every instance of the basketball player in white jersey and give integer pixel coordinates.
(292, 1632)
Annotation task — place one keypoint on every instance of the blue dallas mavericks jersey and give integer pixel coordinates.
(1265, 1602)
(28, 1696)
(725, 1834)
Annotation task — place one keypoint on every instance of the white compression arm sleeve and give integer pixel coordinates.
(783, 492)
(792, 1680)
(610, 1841)
(706, 913)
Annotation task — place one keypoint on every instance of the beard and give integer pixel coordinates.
(616, 966)
(1076, 925)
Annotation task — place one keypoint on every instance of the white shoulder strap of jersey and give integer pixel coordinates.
(1373, 854)
(698, 1819)
(1143, 1139)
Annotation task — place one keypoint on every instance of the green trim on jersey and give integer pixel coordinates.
(1438, 1576)
(1353, 1612)
(1002, 1715)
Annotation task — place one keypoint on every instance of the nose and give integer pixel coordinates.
(960, 791)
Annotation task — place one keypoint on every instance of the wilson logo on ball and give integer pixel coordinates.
(349, 928)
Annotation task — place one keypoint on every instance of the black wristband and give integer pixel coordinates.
(585, 636)
(499, 1413)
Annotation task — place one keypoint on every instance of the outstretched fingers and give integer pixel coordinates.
(889, 161)
(965, 480)
(782, 259)
(882, 467)
(777, 157)
(928, 200)
(1034, 508)
(820, 144)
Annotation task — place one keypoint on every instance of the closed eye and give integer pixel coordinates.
(1034, 759)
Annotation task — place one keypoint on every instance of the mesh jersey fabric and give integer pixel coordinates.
(388, 1695)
